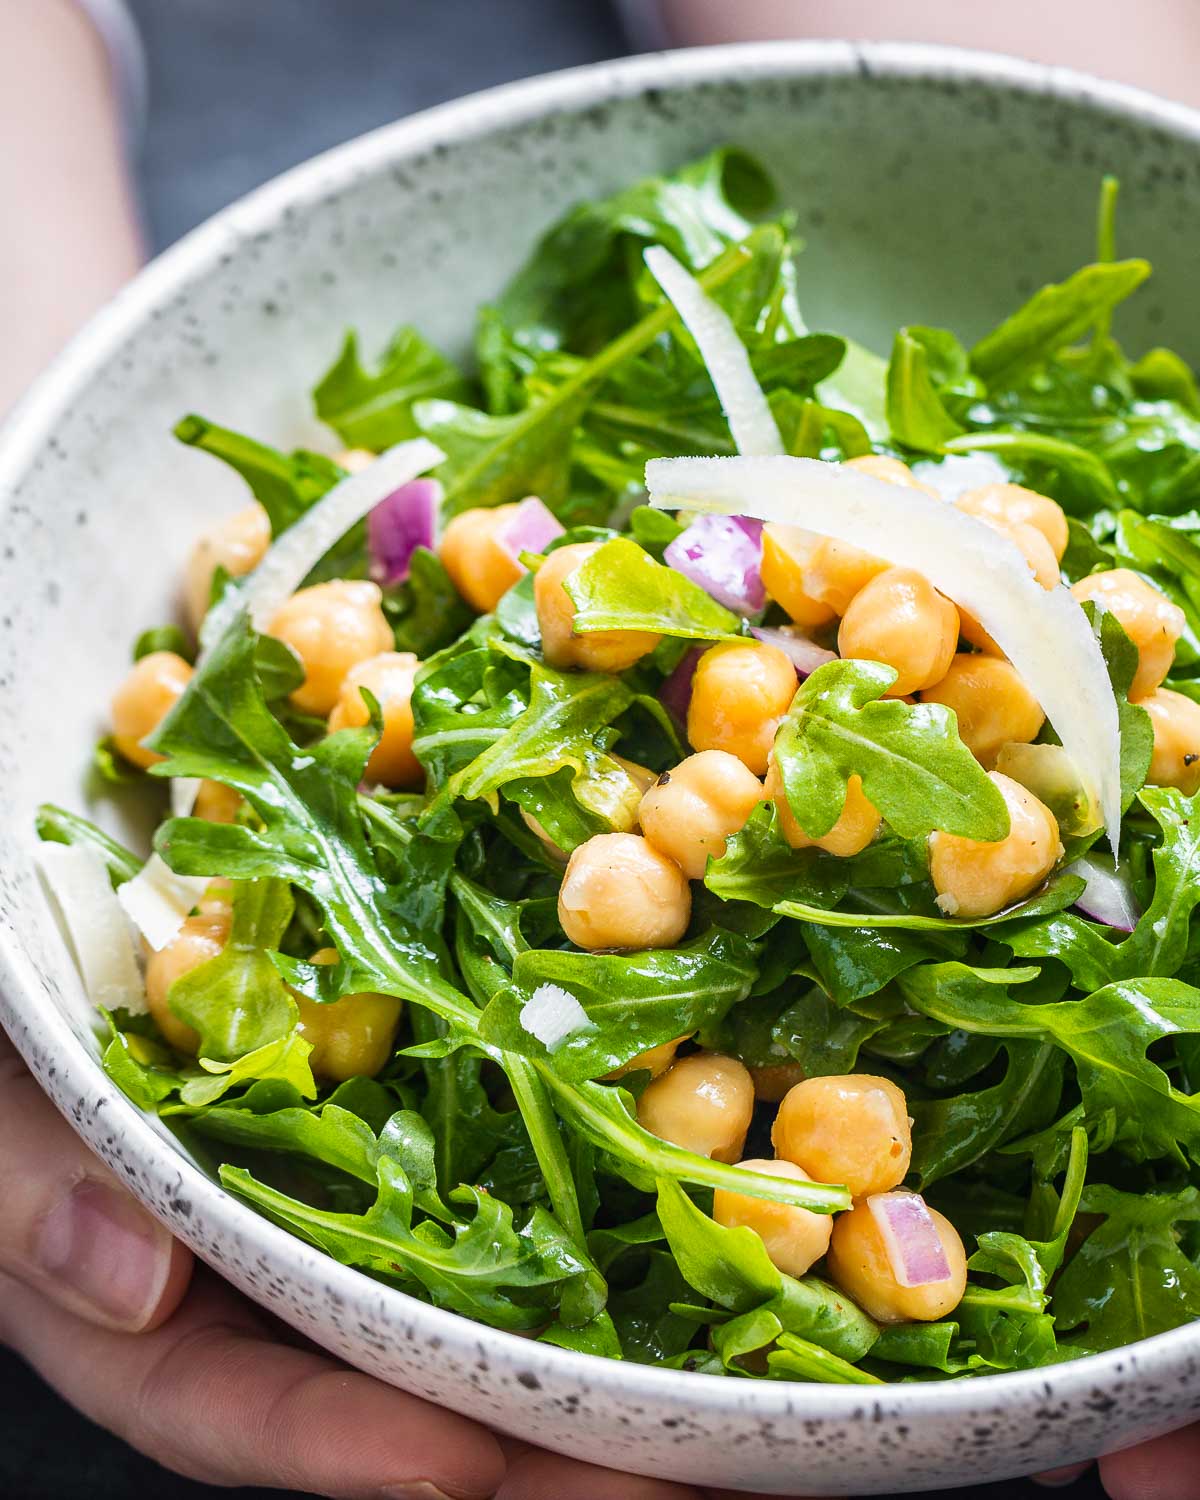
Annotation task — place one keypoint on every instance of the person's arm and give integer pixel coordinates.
(1156, 46)
(71, 235)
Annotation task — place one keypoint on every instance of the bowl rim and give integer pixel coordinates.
(78, 1076)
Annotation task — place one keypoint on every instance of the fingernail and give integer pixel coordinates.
(103, 1245)
(1058, 1479)
(419, 1489)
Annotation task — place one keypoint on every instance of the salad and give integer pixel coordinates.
(679, 842)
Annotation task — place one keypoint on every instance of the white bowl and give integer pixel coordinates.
(932, 187)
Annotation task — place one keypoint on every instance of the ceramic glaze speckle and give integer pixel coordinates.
(931, 186)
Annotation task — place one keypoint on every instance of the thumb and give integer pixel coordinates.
(69, 1229)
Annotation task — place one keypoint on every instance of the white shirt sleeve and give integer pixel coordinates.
(119, 33)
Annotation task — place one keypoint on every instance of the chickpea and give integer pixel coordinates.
(200, 938)
(857, 824)
(891, 471)
(1010, 503)
(975, 879)
(655, 1060)
(1176, 758)
(739, 694)
(703, 1103)
(351, 1037)
(852, 1130)
(479, 568)
(355, 460)
(388, 677)
(991, 702)
(689, 812)
(794, 1238)
(331, 627)
(858, 1262)
(900, 619)
(593, 650)
(238, 543)
(216, 802)
(620, 892)
(1147, 617)
(773, 1080)
(144, 700)
(785, 556)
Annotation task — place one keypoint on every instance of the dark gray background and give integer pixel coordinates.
(239, 91)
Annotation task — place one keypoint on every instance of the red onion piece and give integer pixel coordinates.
(530, 528)
(804, 654)
(914, 1247)
(676, 691)
(401, 522)
(723, 554)
(1106, 896)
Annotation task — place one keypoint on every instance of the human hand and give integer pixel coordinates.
(97, 1296)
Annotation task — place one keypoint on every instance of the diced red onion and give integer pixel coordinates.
(1106, 896)
(723, 554)
(676, 692)
(530, 528)
(401, 522)
(914, 1247)
(804, 654)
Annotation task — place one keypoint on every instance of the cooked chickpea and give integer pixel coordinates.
(355, 460)
(594, 650)
(900, 619)
(238, 544)
(890, 470)
(794, 1238)
(702, 1103)
(655, 1060)
(991, 702)
(479, 568)
(1148, 618)
(773, 1080)
(690, 811)
(739, 694)
(852, 1130)
(216, 802)
(144, 700)
(351, 1037)
(974, 879)
(620, 892)
(388, 677)
(857, 824)
(200, 938)
(1013, 503)
(858, 1262)
(785, 557)
(331, 627)
(1176, 758)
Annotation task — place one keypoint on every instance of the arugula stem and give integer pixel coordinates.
(1046, 449)
(533, 1101)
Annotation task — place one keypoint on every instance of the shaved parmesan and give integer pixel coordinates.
(724, 355)
(100, 935)
(184, 791)
(157, 900)
(552, 1014)
(294, 555)
(1043, 632)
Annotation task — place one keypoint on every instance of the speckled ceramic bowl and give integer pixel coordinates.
(931, 186)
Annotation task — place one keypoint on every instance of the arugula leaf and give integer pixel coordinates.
(915, 412)
(373, 409)
(621, 587)
(914, 767)
(284, 1060)
(284, 485)
(141, 1067)
(1106, 1034)
(1130, 1278)
(1054, 317)
(1078, 478)
(730, 1267)
(426, 611)
(55, 825)
(1061, 890)
(758, 865)
(799, 1359)
(648, 1330)
(163, 638)
(473, 1269)
(855, 963)
(633, 1000)
(1160, 375)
